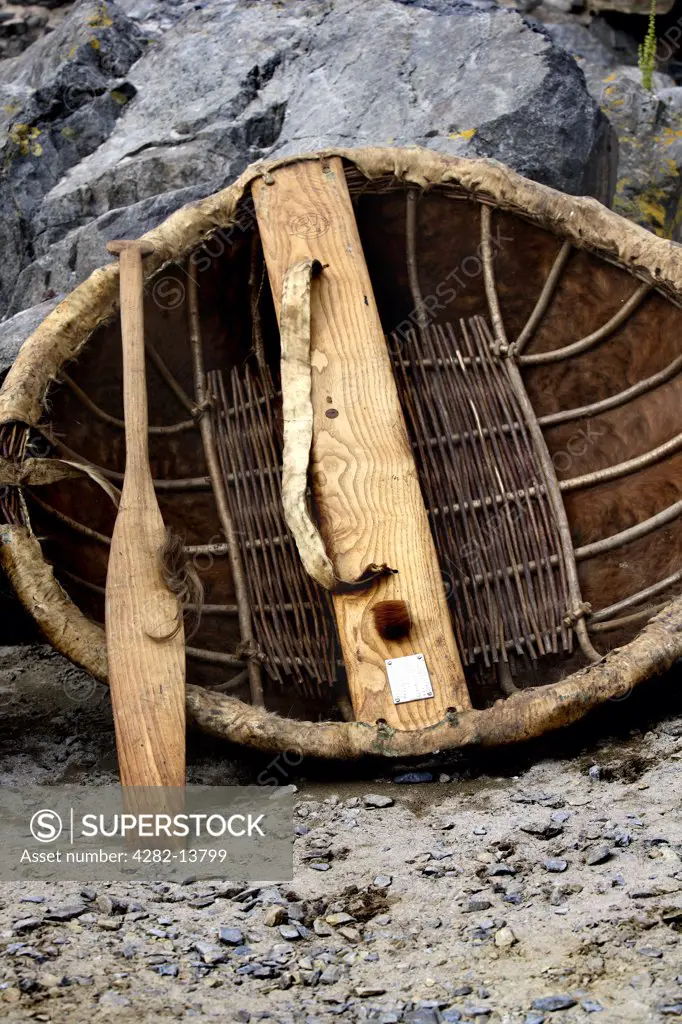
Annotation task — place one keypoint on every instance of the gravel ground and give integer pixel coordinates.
(538, 884)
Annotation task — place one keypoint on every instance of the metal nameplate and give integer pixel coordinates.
(409, 678)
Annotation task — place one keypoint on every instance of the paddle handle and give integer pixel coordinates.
(137, 471)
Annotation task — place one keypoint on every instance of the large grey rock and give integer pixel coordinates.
(649, 130)
(15, 330)
(131, 109)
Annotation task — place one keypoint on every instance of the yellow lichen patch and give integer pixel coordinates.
(648, 209)
(467, 134)
(119, 97)
(100, 18)
(25, 138)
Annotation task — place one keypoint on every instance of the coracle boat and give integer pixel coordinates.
(533, 344)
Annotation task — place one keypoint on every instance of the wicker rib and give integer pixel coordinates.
(642, 595)
(411, 254)
(545, 297)
(501, 428)
(113, 421)
(77, 527)
(614, 401)
(616, 540)
(623, 468)
(217, 658)
(177, 389)
(643, 615)
(559, 354)
(217, 484)
(542, 452)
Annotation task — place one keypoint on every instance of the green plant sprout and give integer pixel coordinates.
(647, 51)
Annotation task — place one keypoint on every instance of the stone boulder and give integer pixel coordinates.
(127, 111)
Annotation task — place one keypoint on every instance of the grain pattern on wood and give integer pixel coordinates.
(365, 482)
(146, 662)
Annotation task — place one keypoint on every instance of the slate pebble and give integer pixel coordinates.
(377, 800)
(555, 865)
(549, 1004)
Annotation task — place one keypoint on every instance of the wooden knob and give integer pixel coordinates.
(136, 244)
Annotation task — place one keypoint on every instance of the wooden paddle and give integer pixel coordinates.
(145, 637)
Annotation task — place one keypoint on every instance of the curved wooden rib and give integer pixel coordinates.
(177, 389)
(554, 494)
(623, 468)
(545, 297)
(113, 421)
(641, 595)
(77, 527)
(643, 615)
(595, 408)
(616, 540)
(218, 487)
(540, 358)
(190, 483)
(215, 657)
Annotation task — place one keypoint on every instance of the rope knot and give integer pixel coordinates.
(573, 617)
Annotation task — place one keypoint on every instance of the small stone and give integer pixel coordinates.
(320, 866)
(330, 975)
(534, 1018)
(542, 829)
(289, 932)
(504, 938)
(110, 905)
(166, 970)
(476, 906)
(377, 800)
(413, 778)
(555, 865)
(368, 991)
(351, 934)
(595, 772)
(498, 870)
(210, 953)
(243, 1016)
(480, 830)
(231, 936)
(651, 952)
(340, 918)
(548, 1004)
(65, 913)
(321, 928)
(598, 855)
(382, 881)
(451, 1016)
(670, 1009)
(591, 1006)
(110, 924)
(27, 924)
(48, 980)
(273, 916)
(32, 899)
(462, 990)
